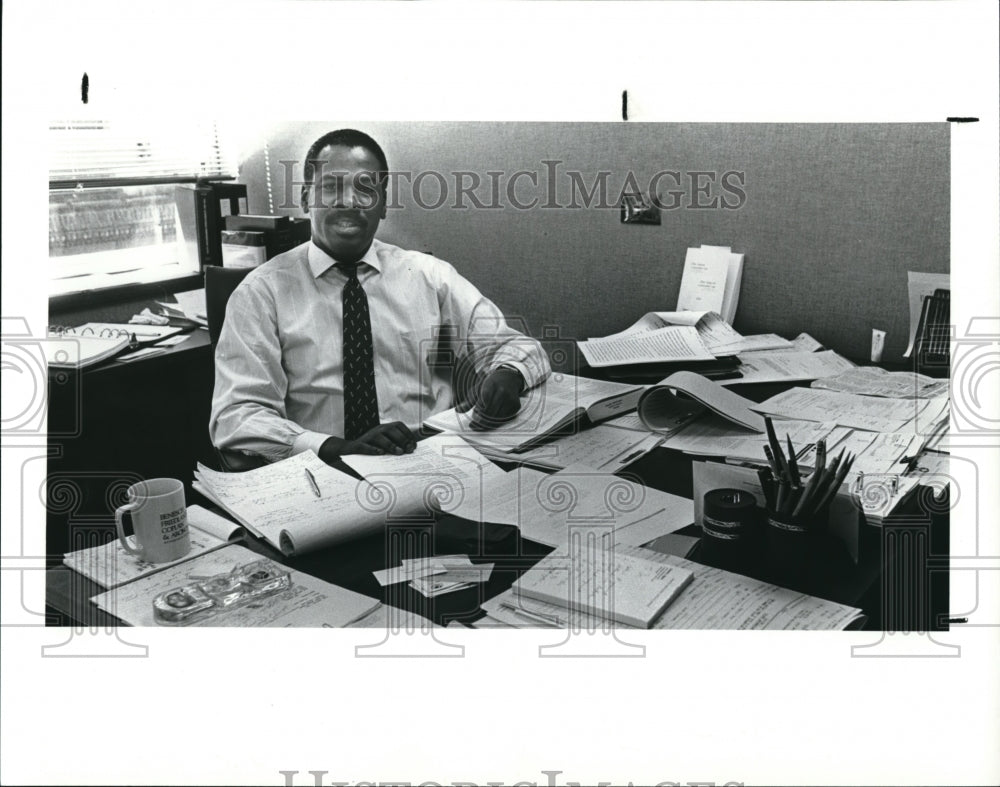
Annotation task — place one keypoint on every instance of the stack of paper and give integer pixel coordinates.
(711, 281)
(190, 305)
(434, 576)
(788, 366)
(714, 599)
(615, 584)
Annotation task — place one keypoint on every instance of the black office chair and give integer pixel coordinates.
(219, 285)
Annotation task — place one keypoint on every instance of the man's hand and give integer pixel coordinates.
(394, 438)
(498, 401)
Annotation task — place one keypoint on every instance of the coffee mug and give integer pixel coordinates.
(159, 519)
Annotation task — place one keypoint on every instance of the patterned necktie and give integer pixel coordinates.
(360, 398)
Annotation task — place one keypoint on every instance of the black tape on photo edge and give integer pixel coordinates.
(729, 514)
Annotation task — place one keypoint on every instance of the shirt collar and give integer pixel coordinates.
(320, 262)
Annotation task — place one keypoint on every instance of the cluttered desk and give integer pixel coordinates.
(686, 477)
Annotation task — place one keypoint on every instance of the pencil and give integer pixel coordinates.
(841, 475)
(776, 448)
(772, 461)
(793, 465)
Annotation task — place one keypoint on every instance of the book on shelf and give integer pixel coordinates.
(557, 407)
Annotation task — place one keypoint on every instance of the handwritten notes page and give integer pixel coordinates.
(278, 503)
(306, 602)
(610, 584)
(109, 565)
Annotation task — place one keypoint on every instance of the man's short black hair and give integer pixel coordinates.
(343, 137)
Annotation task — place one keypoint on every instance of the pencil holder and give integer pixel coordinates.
(795, 545)
(730, 529)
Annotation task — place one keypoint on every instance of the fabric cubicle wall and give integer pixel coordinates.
(834, 215)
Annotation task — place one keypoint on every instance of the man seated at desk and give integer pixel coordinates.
(326, 347)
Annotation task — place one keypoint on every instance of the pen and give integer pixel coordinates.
(312, 483)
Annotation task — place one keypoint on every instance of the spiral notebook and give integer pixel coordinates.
(66, 350)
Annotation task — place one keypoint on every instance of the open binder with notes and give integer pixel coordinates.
(70, 348)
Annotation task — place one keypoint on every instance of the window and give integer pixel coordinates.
(121, 200)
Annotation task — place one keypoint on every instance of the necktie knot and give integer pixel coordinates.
(349, 269)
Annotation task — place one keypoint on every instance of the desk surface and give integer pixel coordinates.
(351, 565)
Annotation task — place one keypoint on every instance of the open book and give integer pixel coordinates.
(557, 407)
(683, 396)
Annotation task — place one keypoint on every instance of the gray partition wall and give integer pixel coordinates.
(829, 216)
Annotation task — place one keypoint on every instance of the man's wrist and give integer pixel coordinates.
(507, 367)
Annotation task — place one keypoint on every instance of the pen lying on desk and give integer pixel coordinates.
(312, 483)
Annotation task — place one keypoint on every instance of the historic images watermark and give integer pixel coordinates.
(318, 779)
(550, 186)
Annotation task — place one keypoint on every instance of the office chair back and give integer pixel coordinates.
(219, 285)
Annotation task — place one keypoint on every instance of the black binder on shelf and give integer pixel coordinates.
(214, 201)
(933, 344)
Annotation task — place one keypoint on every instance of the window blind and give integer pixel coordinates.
(105, 152)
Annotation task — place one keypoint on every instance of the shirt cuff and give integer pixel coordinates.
(518, 367)
(309, 441)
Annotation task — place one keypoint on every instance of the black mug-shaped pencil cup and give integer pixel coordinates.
(797, 545)
(730, 529)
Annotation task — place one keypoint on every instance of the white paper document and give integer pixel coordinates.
(874, 381)
(714, 599)
(604, 447)
(109, 565)
(717, 335)
(777, 366)
(277, 502)
(873, 413)
(714, 436)
(548, 508)
(672, 402)
(307, 602)
(612, 584)
(673, 343)
(444, 471)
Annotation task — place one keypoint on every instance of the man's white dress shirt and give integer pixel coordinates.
(278, 365)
